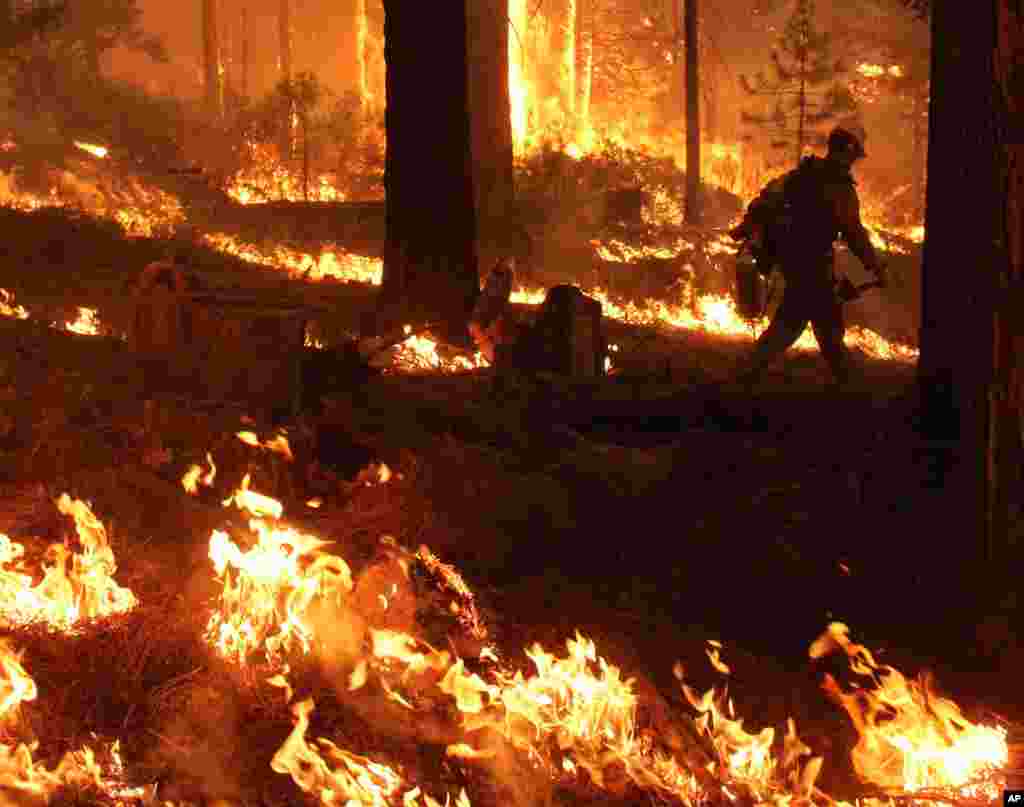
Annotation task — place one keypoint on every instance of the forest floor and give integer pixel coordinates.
(651, 511)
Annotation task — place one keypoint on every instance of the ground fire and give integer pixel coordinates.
(379, 424)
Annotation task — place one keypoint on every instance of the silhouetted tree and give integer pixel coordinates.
(971, 370)
(430, 259)
(805, 91)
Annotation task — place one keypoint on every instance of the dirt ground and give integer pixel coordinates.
(651, 511)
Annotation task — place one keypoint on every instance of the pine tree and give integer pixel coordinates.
(806, 90)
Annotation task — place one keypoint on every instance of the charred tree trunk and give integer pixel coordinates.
(970, 372)
(211, 60)
(693, 206)
(430, 259)
(491, 126)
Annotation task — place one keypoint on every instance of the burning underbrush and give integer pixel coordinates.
(91, 186)
(289, 647)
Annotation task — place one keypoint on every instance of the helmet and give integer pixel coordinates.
(848, 138)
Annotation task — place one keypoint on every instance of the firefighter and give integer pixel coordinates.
(795, 220)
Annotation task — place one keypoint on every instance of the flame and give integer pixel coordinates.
(419, 352)
(87, 322)
(332, 262)
(910, 738)
(268, 589)
(268, 178)
(80, 769)
(140, 210)
(339, 777)
(74, 587)
(278, 444)
(94, 150)
(8, 308)
(710, 313)
(194, 476)
(16, 685)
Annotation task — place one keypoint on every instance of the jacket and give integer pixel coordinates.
(805, 210)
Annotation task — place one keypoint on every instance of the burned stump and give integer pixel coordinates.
(222, 348)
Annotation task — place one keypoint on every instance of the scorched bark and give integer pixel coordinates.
(430, 258)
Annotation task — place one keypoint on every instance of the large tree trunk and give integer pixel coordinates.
(970, 373)
(1005, 431)
(490, 123)
(693, 206)
(430, 259)
(211, 60)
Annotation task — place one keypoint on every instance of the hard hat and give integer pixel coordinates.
(848, 137)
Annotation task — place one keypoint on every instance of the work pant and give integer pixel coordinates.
(806, 299)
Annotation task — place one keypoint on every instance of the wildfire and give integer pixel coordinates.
(910, 738)
(78, 769)
(86, 323)
(344, 778)
(8, 307)
(278, 444)
(267, 178)
(419, 352)
(94, 150)
(76, 586)
(331, 263)
(871, 70)
(141, 211)
(269, 588)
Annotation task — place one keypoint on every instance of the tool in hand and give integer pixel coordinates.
(847, 292)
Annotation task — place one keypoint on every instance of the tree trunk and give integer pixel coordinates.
(1005, 433)
(490, 122)
(970, 375)
(430, 259)
(284, 37)
(211, 60)
(244, 67)
(693, 206)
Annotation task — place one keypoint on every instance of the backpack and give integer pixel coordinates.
(799, 218)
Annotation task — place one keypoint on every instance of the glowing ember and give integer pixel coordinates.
(910, 738)
(419, 352)
(74, 587)
(268, 589)
(94, 150)
(8, 308)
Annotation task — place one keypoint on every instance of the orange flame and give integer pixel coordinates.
(268, 589)
(910, 738)
(8, 308)
(75, 586)
(87, 322)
